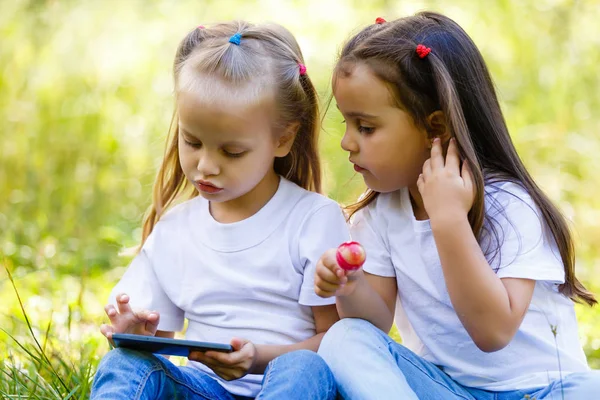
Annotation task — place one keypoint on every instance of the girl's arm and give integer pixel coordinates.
(325, 317)
(491, 309)
(250, 358)
(358, 294)
(373, 299)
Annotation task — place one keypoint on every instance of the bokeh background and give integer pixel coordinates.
(86, 101)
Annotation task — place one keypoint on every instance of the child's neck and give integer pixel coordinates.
(418, 206)
(248, 204)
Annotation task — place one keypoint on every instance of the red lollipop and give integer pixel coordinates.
(350, 256)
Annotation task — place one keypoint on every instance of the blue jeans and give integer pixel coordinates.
(129, 374)
(368, 364)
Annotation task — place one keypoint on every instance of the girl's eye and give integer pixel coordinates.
(234, 155)
(194, 145)
(366, 130)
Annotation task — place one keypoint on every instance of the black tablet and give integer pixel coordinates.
(167, 346)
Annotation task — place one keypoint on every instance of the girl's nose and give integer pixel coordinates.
(348, 143)
(207, 165)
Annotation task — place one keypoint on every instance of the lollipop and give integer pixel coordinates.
(350, 256)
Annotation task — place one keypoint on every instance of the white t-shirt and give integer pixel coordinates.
(399, 246)
(252, 279)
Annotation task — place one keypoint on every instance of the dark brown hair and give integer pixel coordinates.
(454, 78)
(267, 59)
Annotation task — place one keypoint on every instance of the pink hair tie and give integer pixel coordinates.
(422, 51)
(379, 20)
(302, 68)
(200, 26)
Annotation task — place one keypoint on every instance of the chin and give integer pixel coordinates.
(381, 187)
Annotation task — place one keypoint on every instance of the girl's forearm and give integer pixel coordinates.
(267, 352)
(365, 303)
(479, 298)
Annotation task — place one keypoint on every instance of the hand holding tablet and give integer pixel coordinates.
(166, 346)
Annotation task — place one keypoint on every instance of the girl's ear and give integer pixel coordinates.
(438, 127)
(286, 140)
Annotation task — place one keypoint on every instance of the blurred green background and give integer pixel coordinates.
(86, 101)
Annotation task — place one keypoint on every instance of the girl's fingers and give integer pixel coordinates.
(421, 183)
(328, 260)
(107, 330)
(123, 304)
(226, 359)
(324, 293)
(437, 157)
(146, 315)
(328, 287)
(452, 157)
(324, 274)
(112, 313)
(467, 177)
(427, 170)
(151, 325)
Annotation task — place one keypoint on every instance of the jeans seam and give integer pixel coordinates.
(269, 372)
(157, 366)
(191, 388)
(140, 389)
(390, 342)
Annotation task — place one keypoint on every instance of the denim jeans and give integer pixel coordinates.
(369, 365)
(129, 374)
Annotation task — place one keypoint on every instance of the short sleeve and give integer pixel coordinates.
(366, 230)
(526, 247)
(326, 228)
(145, 291)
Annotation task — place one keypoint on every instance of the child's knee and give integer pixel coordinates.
(587, 385)
(348, 332)
(125, 359)
(348, 337)
(300, 360)
(349, 327)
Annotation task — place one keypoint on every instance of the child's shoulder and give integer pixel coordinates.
(506, 190)
(503, 195)
(305, 202)
(181, 212)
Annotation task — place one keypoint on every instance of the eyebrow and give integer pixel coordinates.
(358, 114)
(232, 143)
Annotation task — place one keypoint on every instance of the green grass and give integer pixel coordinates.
(40, 362)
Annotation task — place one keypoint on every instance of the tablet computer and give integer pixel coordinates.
(166, 346)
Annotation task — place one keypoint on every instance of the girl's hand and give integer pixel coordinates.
(331, 279)
(125, 320)
(447, 191)
(229, 366)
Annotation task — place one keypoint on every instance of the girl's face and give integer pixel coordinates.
(385, 146)
(227, 150)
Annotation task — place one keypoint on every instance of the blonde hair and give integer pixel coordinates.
(266, 62)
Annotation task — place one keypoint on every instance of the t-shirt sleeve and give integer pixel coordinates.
(145, 291)
(326, 228)
(527, 248)
(365, 230)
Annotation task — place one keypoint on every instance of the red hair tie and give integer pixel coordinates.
(379, 20)
(422, 51)
(302, 69)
